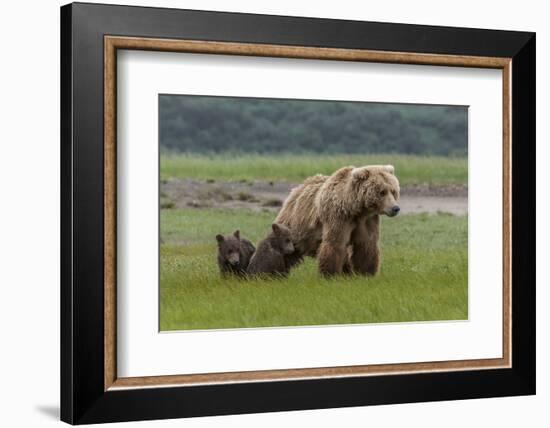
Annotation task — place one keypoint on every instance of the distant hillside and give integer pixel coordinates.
(219, 124)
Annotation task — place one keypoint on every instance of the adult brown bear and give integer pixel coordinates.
(337, 218)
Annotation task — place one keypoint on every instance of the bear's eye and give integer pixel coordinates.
(383, 193)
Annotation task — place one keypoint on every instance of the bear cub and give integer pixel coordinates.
(234, 254)
(275, 254)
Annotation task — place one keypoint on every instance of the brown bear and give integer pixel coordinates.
(275, 254)
(234, 254)
(337, 218)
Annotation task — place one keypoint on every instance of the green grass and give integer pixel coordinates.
(424, 276)
(294, 168)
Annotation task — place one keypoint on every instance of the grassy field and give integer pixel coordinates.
(294, 168)
(424, 272)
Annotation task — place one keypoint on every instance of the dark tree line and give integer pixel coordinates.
(218, 124)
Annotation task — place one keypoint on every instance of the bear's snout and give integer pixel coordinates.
(233, 259)
(289, 248)
(393, 211)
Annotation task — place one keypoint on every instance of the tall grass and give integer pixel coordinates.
(424, 276)
(295, 167)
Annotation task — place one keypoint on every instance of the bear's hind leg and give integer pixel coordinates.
(348, 265)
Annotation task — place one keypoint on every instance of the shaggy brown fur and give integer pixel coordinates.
(275, 254)
(234, 254)
(336, 218)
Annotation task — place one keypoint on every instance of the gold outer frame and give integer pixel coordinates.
(113, 43)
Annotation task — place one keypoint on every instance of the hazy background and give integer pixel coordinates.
(216, 124)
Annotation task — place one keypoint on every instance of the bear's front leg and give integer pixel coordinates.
(366, 253)
(333, 250)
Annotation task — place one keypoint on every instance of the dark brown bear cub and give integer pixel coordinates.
(275, 254)
(234, 254)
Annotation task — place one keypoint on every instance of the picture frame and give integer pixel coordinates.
(91, 391)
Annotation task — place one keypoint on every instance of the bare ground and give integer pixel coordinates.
(262, 195)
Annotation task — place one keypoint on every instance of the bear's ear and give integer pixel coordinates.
(219, 238)
(360, 173)
(276, 229)
(390, 169)
(237, 234)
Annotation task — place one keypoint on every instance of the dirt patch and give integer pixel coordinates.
(269, 196)
(428, 190)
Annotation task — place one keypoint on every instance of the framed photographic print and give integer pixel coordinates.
(265, 213)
